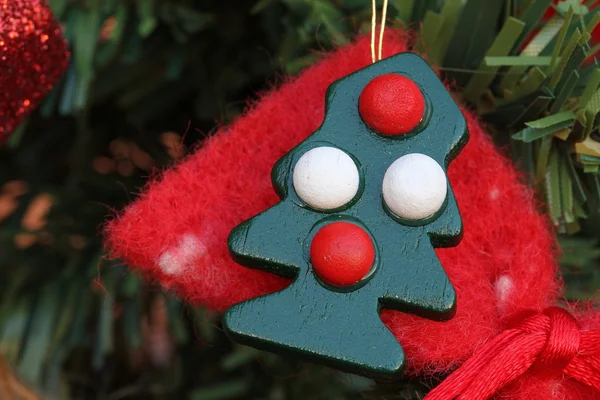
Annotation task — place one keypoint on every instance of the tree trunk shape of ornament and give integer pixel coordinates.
(396, 194)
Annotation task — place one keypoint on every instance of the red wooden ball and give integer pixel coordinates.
(342, 253)
(392, 104)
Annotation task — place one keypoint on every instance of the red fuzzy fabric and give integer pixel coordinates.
(176, 231)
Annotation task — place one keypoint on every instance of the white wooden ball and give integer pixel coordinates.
(414, 186)
(326, 178)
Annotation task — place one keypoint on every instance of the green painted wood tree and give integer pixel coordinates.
(340, 325)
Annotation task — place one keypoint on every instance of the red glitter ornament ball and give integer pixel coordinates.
(392, 104)
(33, 56)
(342, 253)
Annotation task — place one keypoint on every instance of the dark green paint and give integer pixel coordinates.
(338, 327)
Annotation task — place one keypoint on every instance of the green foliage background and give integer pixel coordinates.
(149, 80)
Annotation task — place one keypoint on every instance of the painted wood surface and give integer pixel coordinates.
(340, 326)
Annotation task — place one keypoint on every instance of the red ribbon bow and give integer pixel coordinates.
(548, 344)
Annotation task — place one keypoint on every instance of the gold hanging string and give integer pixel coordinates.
(382, 29)
(374, 28)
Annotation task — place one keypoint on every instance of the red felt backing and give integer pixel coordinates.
(176, 231)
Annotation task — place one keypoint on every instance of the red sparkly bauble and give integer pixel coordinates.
(392, 104)
(33, 56)
(342, 253)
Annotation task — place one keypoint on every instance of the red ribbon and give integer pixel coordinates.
(548, 344)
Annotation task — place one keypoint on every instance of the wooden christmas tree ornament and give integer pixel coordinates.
(364, 202)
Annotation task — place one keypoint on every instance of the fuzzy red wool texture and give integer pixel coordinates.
(176, 231)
